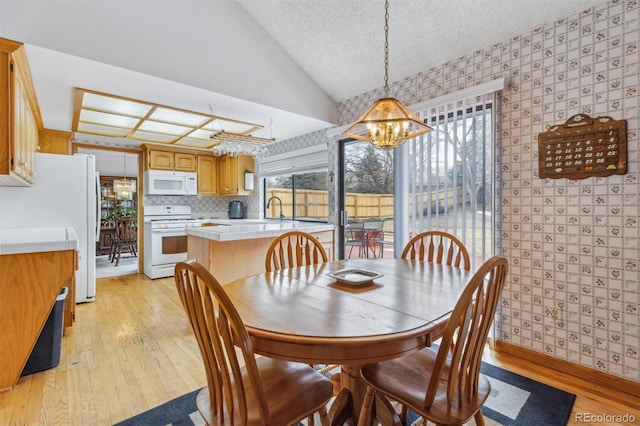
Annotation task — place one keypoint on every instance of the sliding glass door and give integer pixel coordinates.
(450, 175)
(366, 197)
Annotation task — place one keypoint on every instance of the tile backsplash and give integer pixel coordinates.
(214, 206)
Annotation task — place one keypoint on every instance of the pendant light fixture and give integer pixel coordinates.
(124, 187)
(388, 123)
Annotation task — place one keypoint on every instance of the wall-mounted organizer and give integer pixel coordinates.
(583, 147)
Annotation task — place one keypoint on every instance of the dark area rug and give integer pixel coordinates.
(514, 400)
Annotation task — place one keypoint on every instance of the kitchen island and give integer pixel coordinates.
(231, 251)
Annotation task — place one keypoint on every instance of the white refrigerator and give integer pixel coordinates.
(65, 193)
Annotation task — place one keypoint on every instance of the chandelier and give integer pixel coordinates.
(124, 188)
(388, 123)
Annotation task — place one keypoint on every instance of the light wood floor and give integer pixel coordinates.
(132, 350)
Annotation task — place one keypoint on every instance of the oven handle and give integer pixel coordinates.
(177, 232)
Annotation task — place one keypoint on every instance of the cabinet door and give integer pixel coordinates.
(228, 175)
(207, 175)
(160, 160)
(184, 162)
(25, 136)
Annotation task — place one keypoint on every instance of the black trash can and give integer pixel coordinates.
(46, 352)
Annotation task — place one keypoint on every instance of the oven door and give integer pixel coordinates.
(168, 246)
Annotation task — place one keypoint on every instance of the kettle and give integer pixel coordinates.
(236, 210)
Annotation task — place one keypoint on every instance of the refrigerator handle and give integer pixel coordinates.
(98, 208)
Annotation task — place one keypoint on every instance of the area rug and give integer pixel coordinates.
(514, 400)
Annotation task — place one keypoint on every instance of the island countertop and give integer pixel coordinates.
(239, 249)
(228, 230)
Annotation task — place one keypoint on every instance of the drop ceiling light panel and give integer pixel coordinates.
(108, 115)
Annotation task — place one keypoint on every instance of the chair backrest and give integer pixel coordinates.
(127, 229)
(438, 247)
(218, 329)
(294, 248)
(374, 228)
(459, 356)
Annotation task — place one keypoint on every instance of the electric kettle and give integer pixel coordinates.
(236, 210)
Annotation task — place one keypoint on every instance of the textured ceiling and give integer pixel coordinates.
(282, 64)
(340, 43)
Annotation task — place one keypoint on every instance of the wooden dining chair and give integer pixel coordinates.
(445, 387)
(437, 247)
(294, 248)
(265, 391)
(126, 238)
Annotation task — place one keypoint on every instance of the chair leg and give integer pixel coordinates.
(324, 417)
(479, 418)
(365, 412)
(117, 255)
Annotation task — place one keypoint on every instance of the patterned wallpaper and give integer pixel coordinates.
(574, 285)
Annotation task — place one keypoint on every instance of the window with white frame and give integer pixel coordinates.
(296, 182)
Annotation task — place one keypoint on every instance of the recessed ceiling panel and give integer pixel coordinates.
(89, 116)
(115, 105)
(95, 129)
(108, 115)
(154, 137)
(179, 117)
(171, 129)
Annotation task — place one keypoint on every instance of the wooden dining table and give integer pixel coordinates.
(303, 314)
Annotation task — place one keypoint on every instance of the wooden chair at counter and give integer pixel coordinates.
(294, 248)
(445, 387)
(438, 247)
(266, 391)
(126, 237)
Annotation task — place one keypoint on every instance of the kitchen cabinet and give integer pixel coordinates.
(207, 175)
(55, 141)
(158, 159)
(20, 118)
(232, 169)
(35, 264)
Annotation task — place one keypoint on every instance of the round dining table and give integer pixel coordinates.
(348, 312)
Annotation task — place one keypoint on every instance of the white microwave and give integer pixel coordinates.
(161, 182)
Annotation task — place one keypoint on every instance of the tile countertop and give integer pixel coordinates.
(31, 240)
(223, 231)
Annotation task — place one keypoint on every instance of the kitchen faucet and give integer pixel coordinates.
(280, 201)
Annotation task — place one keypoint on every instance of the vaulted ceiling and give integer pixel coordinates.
(282, 64)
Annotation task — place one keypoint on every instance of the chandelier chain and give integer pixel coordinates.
(386, 48)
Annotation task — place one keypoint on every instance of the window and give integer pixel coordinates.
(304, 196)
(451, 177)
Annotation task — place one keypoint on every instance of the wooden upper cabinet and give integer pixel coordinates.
(55, 142)
(20, 120)
(166, 159)
(232, 171)
(207, 175)
(160, 160)
(184, 162)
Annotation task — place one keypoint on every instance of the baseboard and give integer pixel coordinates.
(595, 377)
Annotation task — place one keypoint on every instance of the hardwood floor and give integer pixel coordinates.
(132, 349)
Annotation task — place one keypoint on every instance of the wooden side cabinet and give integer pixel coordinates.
(232, 174)
(207, 175)
(29, 287)
(20, 119)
